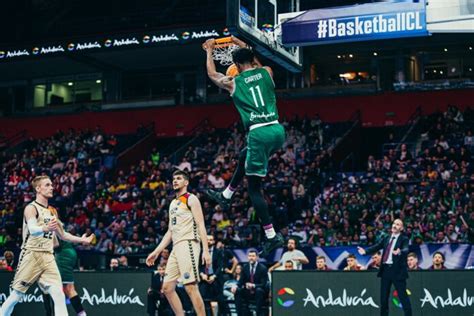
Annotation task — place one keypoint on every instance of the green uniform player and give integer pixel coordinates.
(254, 98)
(66, 259)
(253, 92)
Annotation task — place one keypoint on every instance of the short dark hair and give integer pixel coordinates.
(243, 56)
(439, 253)
(351, 255)
(252, 251)
(295, 240)
(181, 173)
(412, 254)
(289, 261)
(321, 257)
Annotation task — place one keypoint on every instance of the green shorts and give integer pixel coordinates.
(262, 142)
(66, 261)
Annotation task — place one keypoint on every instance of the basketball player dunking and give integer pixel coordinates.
(37, 262)
(187, 231)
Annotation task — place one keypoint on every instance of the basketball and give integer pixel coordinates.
(232, 71)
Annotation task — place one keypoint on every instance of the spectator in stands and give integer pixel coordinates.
(231, 284)
(114, 264)
(321, 264)
(438, 261)
(185, 165)
(103, 244)
(289, 265)
(253, 285)
(4, 266)
(10, 259)
(376, 261)
(352, 264)
(293, 254)
(412, 261)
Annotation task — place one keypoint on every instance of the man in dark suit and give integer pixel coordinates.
(156, 298)
(214, 276)
(253, 285)
(394, 267)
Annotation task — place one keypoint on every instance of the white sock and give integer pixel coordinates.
(269, 231)
(9, 304)
(228, 192)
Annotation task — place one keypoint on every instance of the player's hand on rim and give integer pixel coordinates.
(209, 44)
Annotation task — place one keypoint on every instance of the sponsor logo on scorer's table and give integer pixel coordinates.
(396, 298)
(282, 292)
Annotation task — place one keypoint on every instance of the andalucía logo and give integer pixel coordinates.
(146, 39)
(283, 291)
(108, 43)
(35, 51)
(2, 54)
(396, 299)
(185, 35)
(226, 32)
(70, 47)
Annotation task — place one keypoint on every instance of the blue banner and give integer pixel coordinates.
(458, 256)
(356, 23)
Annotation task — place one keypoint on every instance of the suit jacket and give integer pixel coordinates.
(155, 281)
(219, 257)
(260, 277)
(399, 267)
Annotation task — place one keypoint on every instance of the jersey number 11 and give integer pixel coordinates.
(254, 95)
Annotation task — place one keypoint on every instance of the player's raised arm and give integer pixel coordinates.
(218, 78)
(150, 260)
(196, 209)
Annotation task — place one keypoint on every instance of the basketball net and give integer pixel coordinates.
(223, 50)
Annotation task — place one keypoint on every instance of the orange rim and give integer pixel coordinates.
(224, 42)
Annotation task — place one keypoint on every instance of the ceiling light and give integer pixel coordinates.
(70, 83)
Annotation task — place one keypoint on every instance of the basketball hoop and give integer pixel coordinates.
(223, 50)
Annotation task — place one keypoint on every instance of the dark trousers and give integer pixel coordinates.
(164, 309)
(388, 278)
(244, 296)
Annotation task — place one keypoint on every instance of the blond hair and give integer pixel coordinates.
(36, 181)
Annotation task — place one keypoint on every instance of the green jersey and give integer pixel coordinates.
(254, 97)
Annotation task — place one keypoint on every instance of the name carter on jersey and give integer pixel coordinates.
(253, 78)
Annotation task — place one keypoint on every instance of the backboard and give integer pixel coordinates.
(258, 22)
